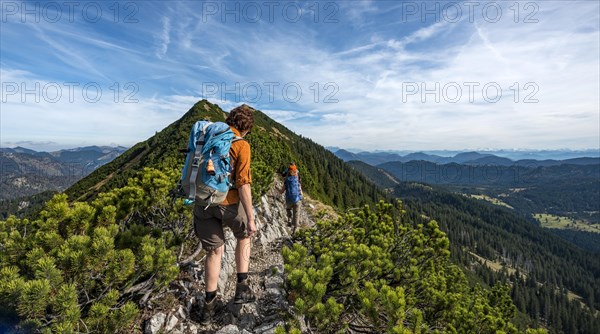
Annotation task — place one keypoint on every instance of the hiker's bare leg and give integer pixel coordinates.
(242, 254)
(243, 292)
(212, 266)
(296, 215)
(290, 214)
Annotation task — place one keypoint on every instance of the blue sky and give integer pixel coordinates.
(373, 75)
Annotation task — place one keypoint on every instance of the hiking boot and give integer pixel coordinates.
(243, 293)
(207, 312)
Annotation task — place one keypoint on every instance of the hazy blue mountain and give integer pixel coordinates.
(26, 172)
(469, 156)
(372, 158)
(525, 154)
(491, 160)
(346, 155)
(550, 162)
(466, 158)
(379, 176)
(420, 156)
(23, 150)
(581, 161)
(547, 154)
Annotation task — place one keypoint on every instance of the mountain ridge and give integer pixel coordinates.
(27, 172)
(104, 149)
(469, 158)
(513, 154)
(267, 138)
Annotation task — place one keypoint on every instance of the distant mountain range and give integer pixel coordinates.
(465, 158)
(25, 172)
(513, 154)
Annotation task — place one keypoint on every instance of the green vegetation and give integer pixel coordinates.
(564, 190)
(378, 176)
(567, 190)
(545, 267)
(374, 272)
(559, 222)
(325, 177)
(114, 239)
(24, 206)
(494, 244)
(77, 267)
(160, 151)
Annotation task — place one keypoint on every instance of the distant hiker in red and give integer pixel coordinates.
(236, 212)
(293, 195)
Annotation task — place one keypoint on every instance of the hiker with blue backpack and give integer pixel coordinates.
(216, 178)
(293, 195)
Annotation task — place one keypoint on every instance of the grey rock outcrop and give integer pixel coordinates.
(155, 324)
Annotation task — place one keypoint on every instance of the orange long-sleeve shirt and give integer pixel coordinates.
(240, 160)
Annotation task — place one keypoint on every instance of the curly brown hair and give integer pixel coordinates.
(241, 118)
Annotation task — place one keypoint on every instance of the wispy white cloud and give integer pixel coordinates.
(66, 52)
(31, 143)
(510, 54)
(164, 39)
(364, 62)
(359, 13)
(70, 119)
(282, 116)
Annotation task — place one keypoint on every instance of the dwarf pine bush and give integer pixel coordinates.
(372, 272)
(75, 267)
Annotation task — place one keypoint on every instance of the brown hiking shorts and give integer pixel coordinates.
(209, 224)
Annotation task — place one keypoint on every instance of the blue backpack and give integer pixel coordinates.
(206, 173)
(292, 187)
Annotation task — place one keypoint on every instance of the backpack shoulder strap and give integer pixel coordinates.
(236, 138)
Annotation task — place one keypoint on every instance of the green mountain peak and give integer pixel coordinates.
(325, 177)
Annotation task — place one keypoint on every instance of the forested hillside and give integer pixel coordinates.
(567, 190)
(24, 206)
(569, 193)
(510, 176)
(500, 246)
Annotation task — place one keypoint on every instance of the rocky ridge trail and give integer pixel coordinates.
(179, 313)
